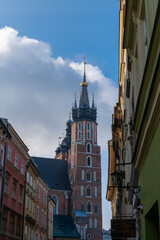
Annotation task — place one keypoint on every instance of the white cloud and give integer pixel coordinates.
(37, 91)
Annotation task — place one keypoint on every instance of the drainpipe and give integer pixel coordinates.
(3, 184)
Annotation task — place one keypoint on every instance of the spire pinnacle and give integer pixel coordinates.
(75, 102)
(84, 83)
(93, 105)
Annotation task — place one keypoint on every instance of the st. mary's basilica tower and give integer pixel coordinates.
(84, 163)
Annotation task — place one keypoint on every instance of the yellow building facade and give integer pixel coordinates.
(30, 200)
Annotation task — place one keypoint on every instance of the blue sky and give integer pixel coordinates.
(73, 28)
(41, 54)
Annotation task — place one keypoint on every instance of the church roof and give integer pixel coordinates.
(64, 227)
(54, 172)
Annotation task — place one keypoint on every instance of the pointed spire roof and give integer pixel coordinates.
(84, 101)
(84, 111)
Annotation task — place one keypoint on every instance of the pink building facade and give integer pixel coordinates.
(13, 209)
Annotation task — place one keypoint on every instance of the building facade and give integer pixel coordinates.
(13, 209)
(136, 121)
(30, 200)
(41, 207)
(4, 138)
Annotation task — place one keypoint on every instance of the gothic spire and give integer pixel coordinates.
(84, 101)
(75, 102)
(93, 105)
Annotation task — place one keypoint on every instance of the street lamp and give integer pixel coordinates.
(116, 177)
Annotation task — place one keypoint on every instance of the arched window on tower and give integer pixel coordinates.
(82, 175)
(89, 207)
(88, 176)
(88, 191)
(95, 223)
(55, 209)
(79, 130)
(88, 130)
(89, 161)
(88, 148)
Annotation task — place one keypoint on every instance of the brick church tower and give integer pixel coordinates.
(84, 162)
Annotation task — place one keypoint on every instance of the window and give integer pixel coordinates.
(27, 176)
(20, 193)
(82, 205)
(9, 154)
(88, 147)
(18, 227)
(14, 189)
(43, 197)
(22, 167)
(89, 161)
(89, 207)
(6, 188)
(33, 207)
(80, 135)
(95, 191)
(88, 191)
(30, 204)
(31, 234)
(16, 161)
(25, 232)
(1, 156)
(4, 221)
(79, 131)
(38, 193)
(89, 236)
(55, 209)
(30, 180)
(90, 222)
(88, 130)
(11, 224)
(82, 175)
(95, 207)
(27, 201)
(42, 216)
(88, 176)
(94, 176)
(81, 190)
(34, 184)
(95, 223)
(37, 214)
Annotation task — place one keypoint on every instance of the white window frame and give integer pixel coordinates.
(16, 161)
(22, 167)
(9, 156)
